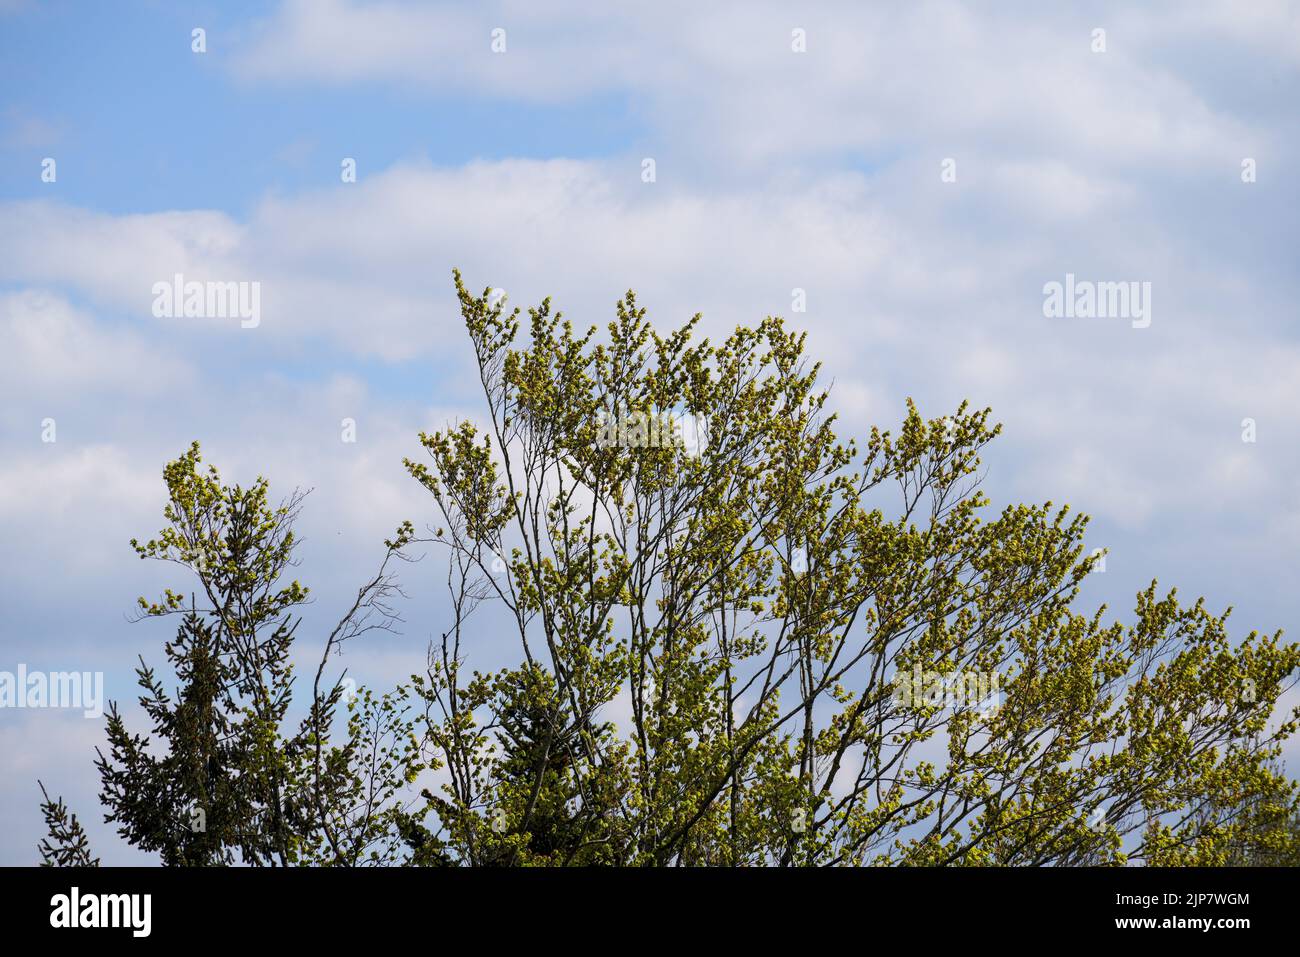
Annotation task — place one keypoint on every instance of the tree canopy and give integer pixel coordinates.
(740, 640)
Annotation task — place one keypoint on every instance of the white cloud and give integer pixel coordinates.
(901, 293)
(722, 84)
(59, 351)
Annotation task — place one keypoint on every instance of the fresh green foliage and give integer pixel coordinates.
(755, 648)
(713, 638)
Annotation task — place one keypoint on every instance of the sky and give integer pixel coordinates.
(912, 175)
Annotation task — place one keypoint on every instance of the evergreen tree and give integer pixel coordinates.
(192, 793)
(66, 844)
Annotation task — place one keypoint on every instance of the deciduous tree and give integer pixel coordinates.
(714, 640)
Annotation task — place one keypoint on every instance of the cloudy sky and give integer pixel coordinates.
(919, 170)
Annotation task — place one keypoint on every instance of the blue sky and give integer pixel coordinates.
(185, 134)
(775, 170)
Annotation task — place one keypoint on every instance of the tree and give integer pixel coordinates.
(226, 777)
(761, 646)
(1269, 836)
(790, 665)
(191, 803)
(66, 844)
(1258, 826)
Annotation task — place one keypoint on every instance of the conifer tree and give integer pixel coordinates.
(65, 844)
